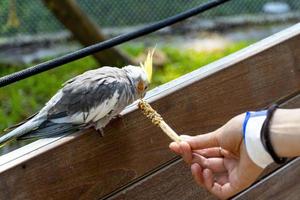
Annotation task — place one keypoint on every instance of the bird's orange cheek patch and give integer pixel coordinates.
(140, 86)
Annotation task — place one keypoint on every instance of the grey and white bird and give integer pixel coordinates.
(91, 99)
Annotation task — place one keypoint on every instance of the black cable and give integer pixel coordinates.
(22, 74)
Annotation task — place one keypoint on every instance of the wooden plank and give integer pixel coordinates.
(282, 184)
(86, 166)
(175, 181)
(172, 182)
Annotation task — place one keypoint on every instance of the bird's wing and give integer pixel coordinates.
(93, 93)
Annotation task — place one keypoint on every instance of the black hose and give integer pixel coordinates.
(22, 74)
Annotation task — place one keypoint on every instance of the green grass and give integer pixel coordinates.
(24, 98)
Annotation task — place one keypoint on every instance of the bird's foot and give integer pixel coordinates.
(118, 116)
(100, 131)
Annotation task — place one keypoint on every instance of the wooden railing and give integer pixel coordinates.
(132, 160)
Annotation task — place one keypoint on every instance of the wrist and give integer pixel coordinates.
(252, 127)
(266, 138)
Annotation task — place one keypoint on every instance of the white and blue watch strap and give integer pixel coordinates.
(252, 136)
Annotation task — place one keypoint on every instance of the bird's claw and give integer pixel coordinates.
(118, 116)
(101, 132)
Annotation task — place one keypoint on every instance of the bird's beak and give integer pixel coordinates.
(147, 65)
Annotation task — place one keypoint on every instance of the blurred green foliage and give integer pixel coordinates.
(182, 62)
(22, 99)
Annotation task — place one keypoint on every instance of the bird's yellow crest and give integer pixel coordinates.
(147, 65)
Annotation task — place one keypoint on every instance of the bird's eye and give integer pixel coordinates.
(146, 87)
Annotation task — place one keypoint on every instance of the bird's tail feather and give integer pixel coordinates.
(19, 124)
(35, 129)
(19, 131)
(50, 129)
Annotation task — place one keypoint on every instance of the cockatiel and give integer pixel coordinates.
(91, 99)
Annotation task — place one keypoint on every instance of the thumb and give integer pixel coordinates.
(201, 141)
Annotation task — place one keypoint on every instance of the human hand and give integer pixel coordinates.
(219, 160)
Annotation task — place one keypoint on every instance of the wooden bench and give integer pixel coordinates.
(133, 161)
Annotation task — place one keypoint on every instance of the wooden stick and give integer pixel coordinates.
(156, 119)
